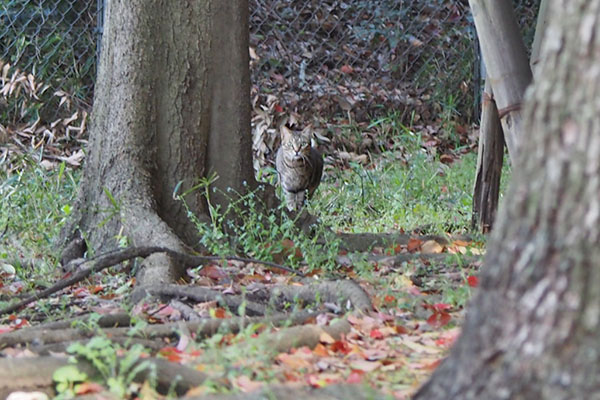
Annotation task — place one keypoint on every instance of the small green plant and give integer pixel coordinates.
(249, 227)
(117, 373)
(67, 380)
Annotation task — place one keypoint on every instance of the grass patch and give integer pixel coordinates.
(35, 204)
(405, 188)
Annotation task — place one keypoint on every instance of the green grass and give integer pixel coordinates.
(33, 207)
(392, 194)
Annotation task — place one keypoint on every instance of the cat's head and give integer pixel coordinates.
(296, 145)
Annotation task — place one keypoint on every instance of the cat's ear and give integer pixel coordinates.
(308, 131)
(285, 133)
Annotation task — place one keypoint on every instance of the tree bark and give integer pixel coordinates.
(506, 62)
(171, 106)
(532, 330)
(490, 156)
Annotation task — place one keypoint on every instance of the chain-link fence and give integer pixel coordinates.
(322, 59)
(363, 58)
(54, 40)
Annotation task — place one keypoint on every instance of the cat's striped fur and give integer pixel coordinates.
(299, 167)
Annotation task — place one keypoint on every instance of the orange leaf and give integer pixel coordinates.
(389, 298)
(95, 289)
(220, 313)
(88, 387)
(414, 245)
(320, 350)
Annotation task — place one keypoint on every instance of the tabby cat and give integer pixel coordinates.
(299, 167)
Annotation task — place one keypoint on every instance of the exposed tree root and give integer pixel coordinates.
(85, 268)
(346, 294)
(340, 291)
(201, 294)
(123, 341)
(105, 321)
(304, 335)
(28, 374)
(170, 330)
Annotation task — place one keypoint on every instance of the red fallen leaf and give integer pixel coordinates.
(473, 281)
(95, 289)
(341, 347)
(394, 250)
(172, 354)
(213, 272)
(401, 330)
(278, 108)
(414, 245)
(81, 292)
(355, 376)
(439, 319)
(88, 387)
(389, 298)
(346, 69)
(376, 334)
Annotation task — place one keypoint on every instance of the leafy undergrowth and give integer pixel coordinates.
(418, 285)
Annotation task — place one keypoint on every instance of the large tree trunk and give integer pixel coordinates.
(171, 105)
(533, 329)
